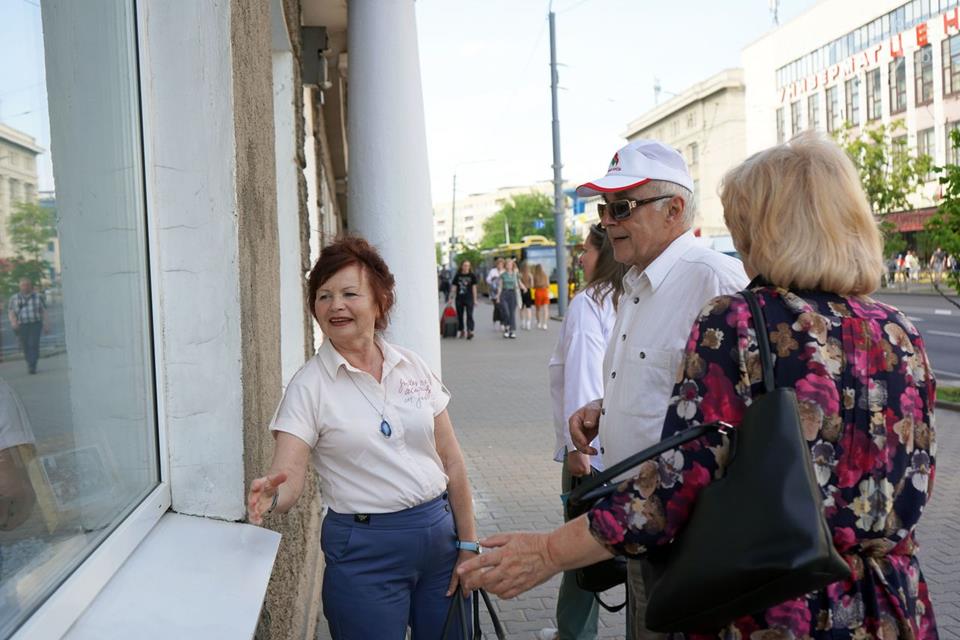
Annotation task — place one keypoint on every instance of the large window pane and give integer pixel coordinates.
(852, 90)
(923, 75)
(78, 439)
(898, 85)
(874, 93)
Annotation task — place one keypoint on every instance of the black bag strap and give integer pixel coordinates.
(492, 612)
(763, 340)
(458, 611)
(599, 487)
(611, 608)
(456, 607)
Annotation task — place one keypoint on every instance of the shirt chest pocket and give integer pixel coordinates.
(648, 379)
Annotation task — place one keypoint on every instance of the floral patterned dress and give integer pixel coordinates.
(866, 396)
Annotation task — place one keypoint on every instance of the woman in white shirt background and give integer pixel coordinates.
(372, 419)
(576, 377)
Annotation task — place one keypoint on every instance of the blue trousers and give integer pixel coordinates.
(385, 572)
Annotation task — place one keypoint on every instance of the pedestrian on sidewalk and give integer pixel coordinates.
(576, 378)
(372, 419)
(465, 294)
(510, 285)
(444, 282)
(938, 262)
(493, 290)
(526, 296)
(541, 295)
(27, 311)
(800, 219)
(648, 211)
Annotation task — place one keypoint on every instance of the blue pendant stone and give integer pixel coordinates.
(385, 429)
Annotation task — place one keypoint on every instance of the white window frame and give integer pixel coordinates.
(64, 606)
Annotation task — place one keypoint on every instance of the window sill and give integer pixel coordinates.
(190, 577)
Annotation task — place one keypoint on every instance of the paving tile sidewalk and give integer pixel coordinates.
(502, 415)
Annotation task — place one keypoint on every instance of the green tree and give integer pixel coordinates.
(521, 213)
(471, 252)
(439, 251)
(31, 228)
(944, 225)
(890, 174)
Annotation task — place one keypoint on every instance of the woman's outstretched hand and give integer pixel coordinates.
(262, 491)
(510, 564)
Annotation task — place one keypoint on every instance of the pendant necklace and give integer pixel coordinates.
(384, 425)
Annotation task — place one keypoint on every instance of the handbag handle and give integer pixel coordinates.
(599, 487)
(456, 605)
(763, 341)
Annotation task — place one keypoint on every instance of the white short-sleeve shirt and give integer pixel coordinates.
(335, 408)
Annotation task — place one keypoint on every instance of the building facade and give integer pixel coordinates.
(200, 155)
(706, 123)
(18, 178)
(856, 64)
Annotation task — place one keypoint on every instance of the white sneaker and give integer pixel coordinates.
(547, 634)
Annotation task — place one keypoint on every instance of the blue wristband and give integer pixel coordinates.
(468, 546)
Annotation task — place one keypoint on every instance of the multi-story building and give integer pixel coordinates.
(706, 124)
(860, 63)
(18, 177)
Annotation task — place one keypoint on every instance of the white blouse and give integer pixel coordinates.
(576, 366)
(335, 408)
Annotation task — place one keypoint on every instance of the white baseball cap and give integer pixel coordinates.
(638, 163)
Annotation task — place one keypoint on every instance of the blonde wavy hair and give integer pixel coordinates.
(799, 216)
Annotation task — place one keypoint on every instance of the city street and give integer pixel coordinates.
(939, 323)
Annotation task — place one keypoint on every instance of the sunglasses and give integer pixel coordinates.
(621, 209)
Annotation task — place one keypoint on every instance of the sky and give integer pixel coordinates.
(486, 78)
(23, 93)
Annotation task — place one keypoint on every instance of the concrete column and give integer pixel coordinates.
(389, 183)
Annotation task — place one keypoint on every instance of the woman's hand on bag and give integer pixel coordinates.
(262, 491)
(462, 557)
(585, 425)
(510, 564)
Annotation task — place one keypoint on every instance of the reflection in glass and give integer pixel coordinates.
(78, 443)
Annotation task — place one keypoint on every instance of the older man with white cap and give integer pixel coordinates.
(648, 213)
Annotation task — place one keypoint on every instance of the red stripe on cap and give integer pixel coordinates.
(596, 187)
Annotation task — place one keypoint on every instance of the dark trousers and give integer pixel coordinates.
(577, 610)
(464, 313)
(389, 571)
(29, 333)
(508, 308)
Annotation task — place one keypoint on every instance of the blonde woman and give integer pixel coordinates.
(802, 223)
(541, 295)
(526, 297)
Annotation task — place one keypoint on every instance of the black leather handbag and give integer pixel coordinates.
(457, 615)
(755, 538)
(601, 576)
